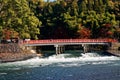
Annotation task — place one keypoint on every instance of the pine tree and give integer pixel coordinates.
(90, 5)
(83, 7)
(18, 16)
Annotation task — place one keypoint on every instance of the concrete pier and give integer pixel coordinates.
(85, 48)
(59, 49)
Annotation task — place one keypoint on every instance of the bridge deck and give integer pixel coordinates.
(67, 42)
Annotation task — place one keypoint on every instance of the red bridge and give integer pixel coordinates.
(59, 43)
(67, 42)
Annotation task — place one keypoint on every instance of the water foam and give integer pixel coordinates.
(37, 62)
(3, 73)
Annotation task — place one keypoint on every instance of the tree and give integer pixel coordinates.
(96, 5)
(36, 6)
(116, 10)
(90, 4)
(63, 17)
(0, 32)
(83, 33)
(106, 31)
(9, 34)
(83, 6)
(17, 15)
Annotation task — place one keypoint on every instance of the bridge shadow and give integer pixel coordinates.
(113, 52)
(107, 53)
(46, 54)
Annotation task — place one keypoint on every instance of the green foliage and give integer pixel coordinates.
(92, 14)
(17, 15)
(61, 18)
(0, 32)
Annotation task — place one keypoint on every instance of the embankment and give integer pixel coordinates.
(11, 57)
(13, 52)
(115, 49)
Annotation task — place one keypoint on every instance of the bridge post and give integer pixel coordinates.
(61, 48)
(85, 48)
(57, 49)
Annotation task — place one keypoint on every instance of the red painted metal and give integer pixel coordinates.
(48, 41)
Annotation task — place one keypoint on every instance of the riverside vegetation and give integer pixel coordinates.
(37, 19)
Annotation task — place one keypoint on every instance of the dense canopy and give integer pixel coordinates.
(39, 19)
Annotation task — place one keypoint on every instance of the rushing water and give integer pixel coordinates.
(67, 66)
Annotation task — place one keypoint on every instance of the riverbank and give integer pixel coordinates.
(114, 52)
(115, 49)
(14, 52)
(11, 57)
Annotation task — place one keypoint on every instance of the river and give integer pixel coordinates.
(68, 66)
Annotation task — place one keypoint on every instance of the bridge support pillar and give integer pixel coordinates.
(85, 48)
(59, 49)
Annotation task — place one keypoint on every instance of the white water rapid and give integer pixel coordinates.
(95, 58)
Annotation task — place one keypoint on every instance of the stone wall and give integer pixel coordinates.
(115, 49)
(14, 52)
(115, 46)
(10, 48)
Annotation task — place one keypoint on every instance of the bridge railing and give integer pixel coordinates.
(48, 41)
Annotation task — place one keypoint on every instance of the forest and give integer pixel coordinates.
(59, 19)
